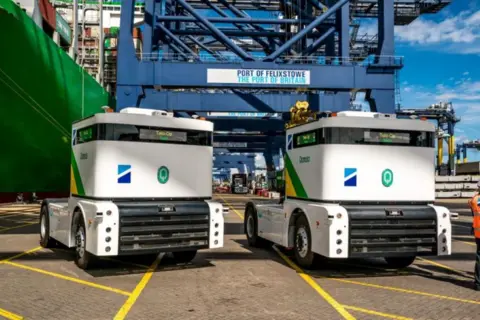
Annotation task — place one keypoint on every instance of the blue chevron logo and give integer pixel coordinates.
(74, 137)
(350, 177)
(290, 142)
(124, 173)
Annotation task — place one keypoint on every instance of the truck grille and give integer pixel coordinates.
(163, 226)
(375, 232)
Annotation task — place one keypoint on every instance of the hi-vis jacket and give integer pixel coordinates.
(475, 206)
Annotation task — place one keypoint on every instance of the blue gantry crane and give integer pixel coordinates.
(444, 114)
(260, 56)
(462, 149)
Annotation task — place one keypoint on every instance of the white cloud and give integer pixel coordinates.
(465, 91)
(457, 34)
(454, 30)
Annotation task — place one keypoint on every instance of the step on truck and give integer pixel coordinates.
(357, 185)
(141, 183)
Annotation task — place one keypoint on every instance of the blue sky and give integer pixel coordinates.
(442, 63)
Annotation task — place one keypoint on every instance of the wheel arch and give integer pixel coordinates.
(76, 216)
(296, 213)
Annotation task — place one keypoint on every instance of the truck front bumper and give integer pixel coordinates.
(379, 231)
(152, 227)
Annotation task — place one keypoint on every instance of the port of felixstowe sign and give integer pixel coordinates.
(258, 76)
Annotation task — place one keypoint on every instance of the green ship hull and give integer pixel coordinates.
(42, 91)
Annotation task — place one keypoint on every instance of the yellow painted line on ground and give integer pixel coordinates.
(366, 284)
(460, 226)
(337, 306)
(9, 315)
(24, 253)
(376, 313)
(61, 276)
(231, 207)
(122, 313)
(469, 243)
(4, 216)
(18, 220)
(20, 226)
(434, 263)
(16, 211)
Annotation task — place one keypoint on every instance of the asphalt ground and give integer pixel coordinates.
(234, 282)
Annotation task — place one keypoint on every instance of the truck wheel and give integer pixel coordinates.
(303, 243)
(399, 262)
(83, 259)
(251, 228)
(184, 256)
(45, 240)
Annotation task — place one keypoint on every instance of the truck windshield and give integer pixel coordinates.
(364, 136)
(127, 132)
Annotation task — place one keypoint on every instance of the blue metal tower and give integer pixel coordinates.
(260, 56)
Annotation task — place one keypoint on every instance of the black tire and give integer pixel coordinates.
(303, 251)
(184, 256)
(45, 240)
(399, 262)
(83, 258)
(250, 225)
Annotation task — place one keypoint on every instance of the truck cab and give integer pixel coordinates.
(132, 191)
(357, 184)
(239, 183)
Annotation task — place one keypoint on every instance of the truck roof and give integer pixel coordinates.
(365, 120)
(145, 120)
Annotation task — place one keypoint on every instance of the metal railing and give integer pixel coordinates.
(302, 60)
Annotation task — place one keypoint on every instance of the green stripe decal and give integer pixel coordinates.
(78, 178)
(296, 182)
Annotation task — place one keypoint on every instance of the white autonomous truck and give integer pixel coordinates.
(357, 185)
(141, 183)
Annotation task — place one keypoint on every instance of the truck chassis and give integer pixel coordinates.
(97, 228)
(397, 233)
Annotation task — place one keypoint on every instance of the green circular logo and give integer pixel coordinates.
(387, 177)
(163, 174)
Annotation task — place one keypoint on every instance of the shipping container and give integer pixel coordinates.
(136, 33)
(114, 31)
(95, 32)
(113, 42)
(48, 13)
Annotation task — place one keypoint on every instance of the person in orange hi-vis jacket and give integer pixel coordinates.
(474, 204)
